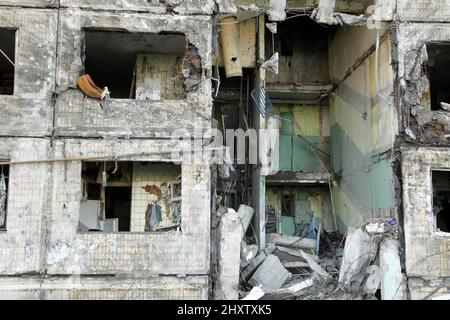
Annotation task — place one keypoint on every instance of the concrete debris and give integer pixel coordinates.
(248, 271)
(272, 26)
(294, 264)
(271, 274)
(314, 266)
(226, 6)
(277, 10)
(336, 273)
(373, 279)
(245, 214)
(360, 249)
(445, 106)
(255, 294)
(251, 7)
(324, 12)
(248, 252)
(393, 286)
(412, 132)
(349, 19)
(272, 63)
(300, 286)
(229, 256)
(302, 243)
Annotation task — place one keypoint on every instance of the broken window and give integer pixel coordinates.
(7, 60)
(439, 78)
(130, 196)
(141, 66)
(4, 179)
(441, 199)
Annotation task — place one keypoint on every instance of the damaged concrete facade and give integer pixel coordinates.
(361, 131)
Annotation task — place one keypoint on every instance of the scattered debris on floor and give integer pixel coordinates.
(345, 266)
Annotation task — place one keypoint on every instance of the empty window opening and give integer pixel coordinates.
(130, 196)
(302, 45)
(141, 66)
(7, 60)
(439, 78)
(4, 179)
(441, 199)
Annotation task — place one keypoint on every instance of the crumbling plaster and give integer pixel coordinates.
(29, 111)
(424, 10)
(172, 252)
(105, 288)
(426, 249)
(30, 3)
(76, 116)
(21, 245)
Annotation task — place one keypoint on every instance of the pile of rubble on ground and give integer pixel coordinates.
(333, 267)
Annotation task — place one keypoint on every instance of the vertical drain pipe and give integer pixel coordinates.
(229, 41)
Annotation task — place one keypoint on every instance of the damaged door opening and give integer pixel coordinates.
(144, 66)
(441, 199)
(7, 60)
(130, 196)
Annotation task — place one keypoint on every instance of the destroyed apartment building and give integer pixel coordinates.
(97, 201)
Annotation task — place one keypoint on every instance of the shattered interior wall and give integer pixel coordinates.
(363, 126)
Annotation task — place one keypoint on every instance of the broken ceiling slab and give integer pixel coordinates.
(298, 93)
(297, 178)
(271, 274)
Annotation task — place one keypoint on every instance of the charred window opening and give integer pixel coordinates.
(7, 60)
(141, 66)
(130, 196)
(441, 199)
(439, 78)
(4, 186)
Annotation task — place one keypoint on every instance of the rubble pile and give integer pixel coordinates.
(339, 267)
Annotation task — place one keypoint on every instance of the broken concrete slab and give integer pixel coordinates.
(255, 294)
(271, 274)
(294, 264)
(253, 265)
(302, 243)
(295, 252)
(360, 249)
(373, 279)
(393, 286)
(315, 266)
(229, 257)
(301, 285)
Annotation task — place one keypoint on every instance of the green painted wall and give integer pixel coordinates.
(312, 123)
(307, 200)
(363, 126)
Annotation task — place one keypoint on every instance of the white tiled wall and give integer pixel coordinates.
(150, 174)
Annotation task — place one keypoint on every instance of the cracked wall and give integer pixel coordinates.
(427, 251)
(42, 254)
